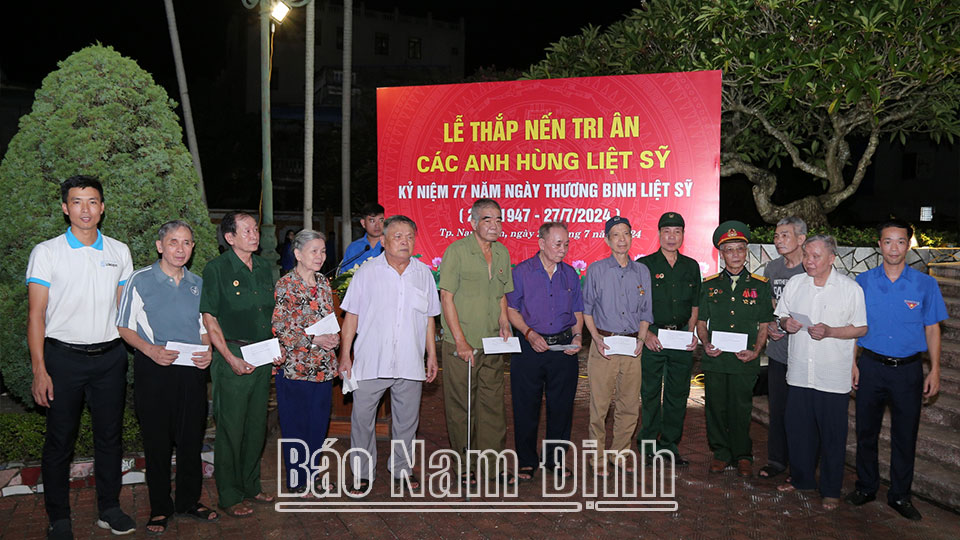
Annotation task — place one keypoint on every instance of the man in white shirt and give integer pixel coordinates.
(73, 284)
(392, 300)
(824, 312)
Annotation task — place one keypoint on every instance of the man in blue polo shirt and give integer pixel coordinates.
(904, 310)
(73, 283)
(160, 307)
(367, 246)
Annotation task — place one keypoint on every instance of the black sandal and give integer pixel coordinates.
(770, 471)
(527, 470)
(555, 470)
(359, 489)
(200, 512)
(156, 521)
(468, 480)
(414, 481)
(507, 479)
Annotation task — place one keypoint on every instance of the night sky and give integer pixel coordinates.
(37, 34)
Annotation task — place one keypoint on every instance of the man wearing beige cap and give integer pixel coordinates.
(736, 303)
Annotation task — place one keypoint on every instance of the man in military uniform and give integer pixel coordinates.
(676, 292)
(735, 301)
(237, 305)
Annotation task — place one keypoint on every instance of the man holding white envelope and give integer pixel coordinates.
(734, 305)
(675, 293)
(617, 312)
(159, 317)
(819, 367)
(393, 300)
(546, 308)
(237, 305)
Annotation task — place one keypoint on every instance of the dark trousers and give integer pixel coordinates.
(729, 403)
(817, 427)
(778, 390)
(100, 381)
(669, 371)
(531, 375)
(171, 404)
(902, 388)
(303, 409)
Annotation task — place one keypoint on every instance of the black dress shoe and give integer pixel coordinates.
(906, 509)
(680, 461)
(860, 498)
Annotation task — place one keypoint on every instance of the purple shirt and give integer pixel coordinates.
(546, 305)
(618, 298)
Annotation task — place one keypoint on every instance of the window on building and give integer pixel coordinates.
(381, 43)
(414, 48)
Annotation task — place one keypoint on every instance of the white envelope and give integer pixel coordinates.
(496, 345)
(261, 353)
(675, 339)
(802, 319)
(326, 325)
(349, 384)
(729, 341)
(624, 345)
(186, 351)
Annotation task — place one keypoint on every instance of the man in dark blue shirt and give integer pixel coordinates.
(368, 245)
(904, 310)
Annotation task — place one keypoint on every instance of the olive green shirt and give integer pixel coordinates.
(675, 289)
(740, 311)
(240, 299)
(476, 295)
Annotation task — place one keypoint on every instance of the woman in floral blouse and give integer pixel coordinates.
(303, 297)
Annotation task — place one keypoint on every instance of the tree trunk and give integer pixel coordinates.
(184, 96)
(809, 208)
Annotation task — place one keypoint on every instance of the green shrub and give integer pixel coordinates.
(22, 435)
(860, 236)
(98, 114)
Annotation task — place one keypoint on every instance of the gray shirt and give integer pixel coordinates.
(618, 298)
(778, 274)
(159, 309)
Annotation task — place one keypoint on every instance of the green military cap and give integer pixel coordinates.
(670, 219)
(730, 231)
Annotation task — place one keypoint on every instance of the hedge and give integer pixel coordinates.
(861, 237)
(21, 436)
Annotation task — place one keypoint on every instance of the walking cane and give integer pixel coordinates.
(469, 425)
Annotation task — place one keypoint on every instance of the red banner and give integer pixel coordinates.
(574, 150)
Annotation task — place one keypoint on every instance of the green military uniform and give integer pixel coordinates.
(675, 292)
(242, 301)
(476, 295)
(728, 381)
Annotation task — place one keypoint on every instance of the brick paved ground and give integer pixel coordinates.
(709, 506)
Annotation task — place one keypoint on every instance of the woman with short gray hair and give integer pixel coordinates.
(303, 297)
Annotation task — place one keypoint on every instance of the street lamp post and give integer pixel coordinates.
(268, 231)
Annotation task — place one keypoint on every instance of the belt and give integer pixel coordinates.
(893, 361)
(606, 333)
(93, 349)
(555, 339)
(240, 342)
(668, 326)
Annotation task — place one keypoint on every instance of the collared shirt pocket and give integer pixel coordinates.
(419, 300)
